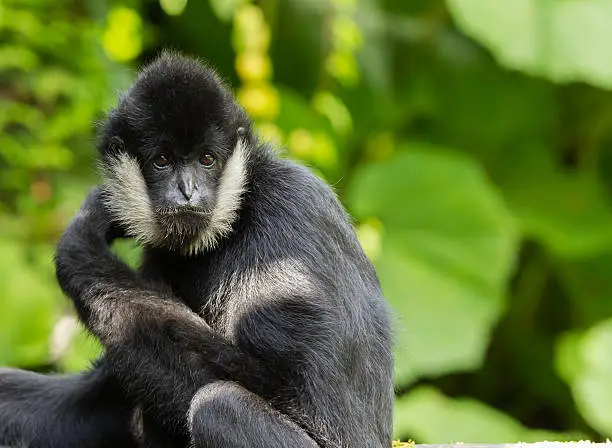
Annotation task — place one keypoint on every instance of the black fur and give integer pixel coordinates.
(68, 411)
(276, 336)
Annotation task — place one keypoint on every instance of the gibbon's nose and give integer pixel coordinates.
(187, 185)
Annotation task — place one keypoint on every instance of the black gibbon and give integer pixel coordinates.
(255, 319)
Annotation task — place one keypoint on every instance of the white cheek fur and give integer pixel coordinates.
(128, 202)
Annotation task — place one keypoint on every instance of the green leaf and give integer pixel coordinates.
(173, 7)
(432, 417)
(568, 211)
(590, 375)
(448, 249)
(567, 356)
(225, 9)
(543, 37)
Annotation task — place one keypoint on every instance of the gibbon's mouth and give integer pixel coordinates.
(184, 210)
(184, 223)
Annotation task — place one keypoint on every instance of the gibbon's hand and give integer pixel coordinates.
(95, 215)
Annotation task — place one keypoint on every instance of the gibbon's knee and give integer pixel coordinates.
(214, 414)
(217, 397)
(225, 414)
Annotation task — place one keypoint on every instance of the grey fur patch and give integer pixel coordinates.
(117, 312)
(136, 425)
(260, 284)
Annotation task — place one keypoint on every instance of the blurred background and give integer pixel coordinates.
(470, 139)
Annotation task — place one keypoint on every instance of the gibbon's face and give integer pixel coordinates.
(174, 157)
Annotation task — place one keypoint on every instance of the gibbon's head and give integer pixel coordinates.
(174, 156)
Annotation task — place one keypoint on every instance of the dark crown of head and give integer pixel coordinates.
(175, 85)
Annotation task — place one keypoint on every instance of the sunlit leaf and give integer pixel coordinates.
(346, 35)
(173, 7)
(590, 375)
(225, 9)
(269, 132)
(122, 38)
(568, 362)
(342, 65)
(447, 251)
(334, 109)
(251, 32)
(260, 100)
(434, 418)
(253, 66)
(313, 146)
(543, 37)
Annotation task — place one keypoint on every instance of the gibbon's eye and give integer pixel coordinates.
(162, 161)
(207, 159)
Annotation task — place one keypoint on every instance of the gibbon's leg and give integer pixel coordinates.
(68, 411)
(224, 414)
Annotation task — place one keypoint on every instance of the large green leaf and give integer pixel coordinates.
(430, 417)
(584, 361)
(560, 39)
(447, 250)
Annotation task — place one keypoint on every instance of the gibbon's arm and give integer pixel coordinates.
(159, 349)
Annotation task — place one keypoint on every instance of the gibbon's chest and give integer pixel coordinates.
(243, 295)
(227, 294)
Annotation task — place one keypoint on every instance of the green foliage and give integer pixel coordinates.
(568, 211)
(29, 305)
(584, 363)
(432, 416)
(543, 37)
(455, 251)
(481, 195)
